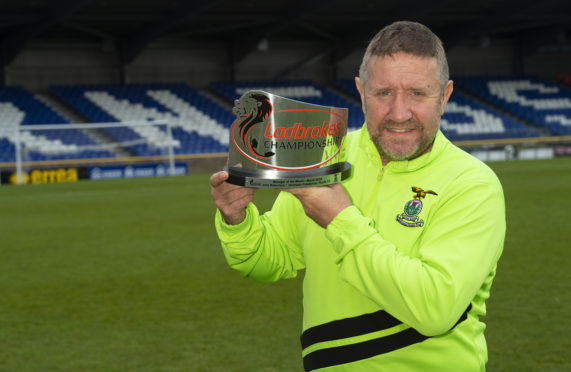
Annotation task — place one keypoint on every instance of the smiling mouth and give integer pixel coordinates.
(399, 130)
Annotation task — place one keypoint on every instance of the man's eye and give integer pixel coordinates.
(417, 93)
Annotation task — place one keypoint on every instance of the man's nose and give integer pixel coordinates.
(400, 109)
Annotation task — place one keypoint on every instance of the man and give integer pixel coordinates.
(400, 258)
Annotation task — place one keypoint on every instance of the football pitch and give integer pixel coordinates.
(128, 275)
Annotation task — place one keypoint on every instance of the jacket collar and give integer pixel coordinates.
(440, 143)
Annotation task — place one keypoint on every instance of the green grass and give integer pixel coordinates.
(529, 319)
(128, 275)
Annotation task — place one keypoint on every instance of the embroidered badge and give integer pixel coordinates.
(413, 207)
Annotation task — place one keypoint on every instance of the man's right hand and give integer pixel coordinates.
(230, 199)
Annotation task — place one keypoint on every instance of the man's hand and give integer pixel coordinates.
(230, 199)
(322, 203)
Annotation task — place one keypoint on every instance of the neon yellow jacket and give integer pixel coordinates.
(397, 281)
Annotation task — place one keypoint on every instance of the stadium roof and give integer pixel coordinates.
(339, 27)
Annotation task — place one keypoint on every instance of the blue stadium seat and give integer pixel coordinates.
(533, 99)
(466, 119)
(20, 108)
(191, 115)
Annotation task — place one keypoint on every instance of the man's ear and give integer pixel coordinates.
(361, 90)
(447, 92)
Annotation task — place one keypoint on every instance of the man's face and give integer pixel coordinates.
(403, 101)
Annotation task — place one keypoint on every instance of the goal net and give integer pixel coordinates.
(94, 143)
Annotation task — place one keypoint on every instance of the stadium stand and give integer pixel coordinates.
(199, 125)
(305, 91)
(465, 119)
(533, 99)
(19, 107)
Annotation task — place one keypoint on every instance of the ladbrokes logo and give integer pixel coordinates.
(283, 134)
(298, 131)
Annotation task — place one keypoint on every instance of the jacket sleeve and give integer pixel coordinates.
(459, 249)
(263, 247)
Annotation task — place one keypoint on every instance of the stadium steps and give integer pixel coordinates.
(199, 124)
(72, 116)
(502, 110)
(60, 108)
(213, 96)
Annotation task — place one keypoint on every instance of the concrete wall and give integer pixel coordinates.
(473, 59)
(39, 66)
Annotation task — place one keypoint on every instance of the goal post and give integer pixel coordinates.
(48, 140)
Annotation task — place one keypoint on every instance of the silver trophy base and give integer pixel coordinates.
(274, 179)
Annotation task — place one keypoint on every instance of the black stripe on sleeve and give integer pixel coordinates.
(362, 350)
(348, 327)
(356, 326)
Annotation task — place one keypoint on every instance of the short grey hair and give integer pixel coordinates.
(406, 37)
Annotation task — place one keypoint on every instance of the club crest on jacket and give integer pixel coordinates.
(413, 207)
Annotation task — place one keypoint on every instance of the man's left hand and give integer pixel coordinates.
(322, 203)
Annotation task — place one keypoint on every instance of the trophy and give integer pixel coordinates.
(277, 142)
